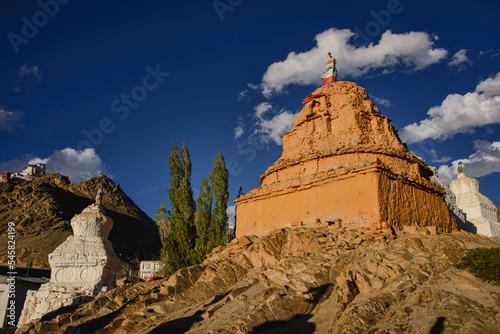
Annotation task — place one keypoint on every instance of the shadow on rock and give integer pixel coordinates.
(93, 325)
(320, 293)
(438, 326)
(218, 298)
(299, 324)
(178, 326)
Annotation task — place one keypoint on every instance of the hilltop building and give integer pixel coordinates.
(479, 209)
(5, 177)
(32, 171)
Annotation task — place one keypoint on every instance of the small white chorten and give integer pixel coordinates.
(478, 208)
(81, 267)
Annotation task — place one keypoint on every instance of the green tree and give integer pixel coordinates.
(161, 221)
(203, 220)
(186, 201)
(219, 179)
(178, 249)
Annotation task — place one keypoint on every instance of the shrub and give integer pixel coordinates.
(483, 263)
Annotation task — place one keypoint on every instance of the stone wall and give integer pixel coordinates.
(405, 202)
(334, 200)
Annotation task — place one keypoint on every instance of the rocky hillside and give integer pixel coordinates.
(304, 280)
(42, 209)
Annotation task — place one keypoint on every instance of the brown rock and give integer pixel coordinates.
(244, 241)
(431, 229)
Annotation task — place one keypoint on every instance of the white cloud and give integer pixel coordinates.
(252, 86)
(436, 158)
(230, 211)
(24, 70)
(268, 124)
(77, 165)
(493, 53)
(9, 119)
(242, 95)
(459, 113)
(276, 126)
(490, 87)
(16, 165)
(262, 108)
(382, 101)
(477, 164)
(411, 51)
(240, 129)
(238, 132)
(460, 60)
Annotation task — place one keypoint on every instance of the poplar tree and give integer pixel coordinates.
(178, 249)
(203, 220)
(219, 179)
(161, 221)
(186, 201)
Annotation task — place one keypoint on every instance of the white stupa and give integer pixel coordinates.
(81, 267)
(478, 208)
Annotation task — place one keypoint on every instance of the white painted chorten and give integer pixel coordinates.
(478, 208)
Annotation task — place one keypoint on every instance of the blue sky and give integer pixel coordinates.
(109, 86)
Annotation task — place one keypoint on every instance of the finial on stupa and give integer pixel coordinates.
(330, 74)
(460, 167)
(98, 198)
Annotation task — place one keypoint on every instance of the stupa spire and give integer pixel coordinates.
(330, 74)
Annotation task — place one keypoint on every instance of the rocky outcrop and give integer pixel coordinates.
(327, 279)
(343, 161)
(81, 266)
(42, 209)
